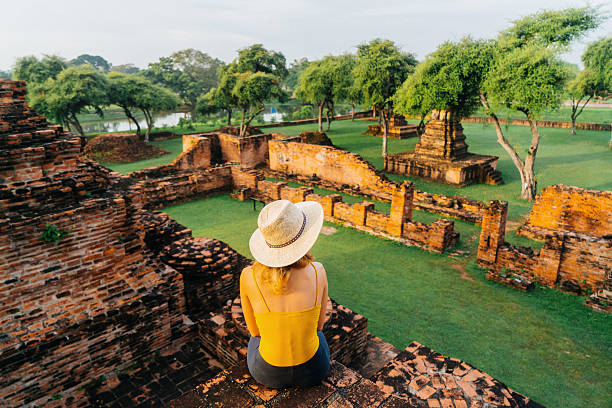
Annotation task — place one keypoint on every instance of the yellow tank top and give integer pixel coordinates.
(288, 338)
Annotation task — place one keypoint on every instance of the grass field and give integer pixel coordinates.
(545, 343)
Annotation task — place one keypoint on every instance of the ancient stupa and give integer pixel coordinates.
(442, 156)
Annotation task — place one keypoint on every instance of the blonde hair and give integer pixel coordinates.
(276, 278)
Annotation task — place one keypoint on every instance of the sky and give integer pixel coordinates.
(142, 31)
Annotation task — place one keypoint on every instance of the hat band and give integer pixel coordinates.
(292, 240)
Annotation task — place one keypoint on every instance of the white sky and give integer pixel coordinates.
(141, 31)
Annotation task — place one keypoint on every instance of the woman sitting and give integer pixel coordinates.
(284, 297)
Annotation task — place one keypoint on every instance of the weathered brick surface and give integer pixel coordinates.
(434, 380)
(563, 209)
(398, 226)
(94, 300)
(441, 156)
(575, 262)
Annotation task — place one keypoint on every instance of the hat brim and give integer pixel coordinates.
(277, 257)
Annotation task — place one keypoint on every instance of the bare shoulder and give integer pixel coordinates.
(320, 270)
(244, 273)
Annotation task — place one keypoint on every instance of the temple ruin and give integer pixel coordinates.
(398, 129)
(106, 301)
(441, 155)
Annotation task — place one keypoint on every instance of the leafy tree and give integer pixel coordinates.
(95, 61)
(134, 92)
(581, 89)
(190, 73)
(125, 69)
(35, 71)
(251, 91)
(449, 79)
(324, 83)
(220, 98)
(258, 59)
(527, 76)
(380, 70)
(294, 72)
(253, 78)
(598, 59)
(5, 74)
(74, 90)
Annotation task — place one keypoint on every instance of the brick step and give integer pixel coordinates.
(492, 177)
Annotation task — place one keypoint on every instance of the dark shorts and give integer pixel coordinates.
(303, 375)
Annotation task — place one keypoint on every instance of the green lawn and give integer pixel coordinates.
(591, 114)
(583, 160)
(174, 146)
(545, 344)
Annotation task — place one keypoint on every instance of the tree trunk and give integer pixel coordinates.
(525, 169)
(320, 117)
(229, 117)
(385, 124)
(329, 115)
(352, 111)
(77, 125)
(149, 120)
(242, 127)
(131, 117)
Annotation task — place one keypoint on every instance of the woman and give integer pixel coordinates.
(284, 297)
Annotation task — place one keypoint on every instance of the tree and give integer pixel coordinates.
(131, 92)
(598, 59)
(294, 72)
(449, 79)
(527, 76)
(190, 73)
(74, 89)
(5, 74)
(380, 70)
(125, 69)
(220, 98)
(256, 58)
(95, 61)
(35, 71)
(324, 83)
(251, 91)
(581, 89)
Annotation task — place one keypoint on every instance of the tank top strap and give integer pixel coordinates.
(259, 290)
(317, 284)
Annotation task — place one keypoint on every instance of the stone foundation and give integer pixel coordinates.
(398, 129)
(441, 156)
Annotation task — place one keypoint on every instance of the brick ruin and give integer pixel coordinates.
(398, 225)
(441, 155)
(573, 261)
(121, 305)
(398, 129)
(347, 172)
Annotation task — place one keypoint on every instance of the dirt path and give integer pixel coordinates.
(464, 273)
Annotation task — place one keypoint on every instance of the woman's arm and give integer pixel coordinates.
(247, 308)
(323, 279)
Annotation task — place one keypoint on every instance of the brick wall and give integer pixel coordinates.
(575, 262)
(347, 172)
(249, 151)
(398, 225)
(562, 209)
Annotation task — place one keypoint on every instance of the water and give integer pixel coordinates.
(125, 125)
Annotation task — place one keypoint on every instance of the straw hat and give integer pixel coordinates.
(286, 232)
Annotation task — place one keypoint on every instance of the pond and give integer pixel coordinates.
(120, 125)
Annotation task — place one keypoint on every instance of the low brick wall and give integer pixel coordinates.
(347, 172)
(357, 115)
(398, 225)
(562, 209)
(541, 123)
(182, 186)
(574, 262)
